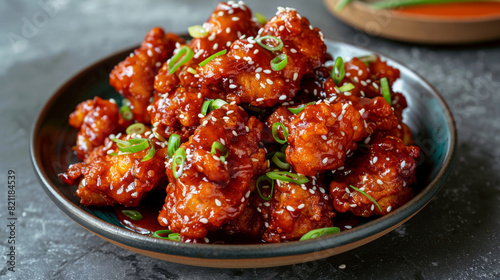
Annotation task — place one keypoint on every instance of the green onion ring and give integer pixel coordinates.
(131, 145)
(218, 146)
(367, 59)
(192, 71)
(283, 148)
(299, 109)
(206, 106)
(210, 58)
(279, 62)
(136, 128)
(151, 152)
(267, 47)
(346, 87)
(384, 88)
(178, 160)
(216, 104)
(315, 233)
(133, 214)
(367, 195)
(279, 158)
(126, 113)
(174, 142)
(275, 132)
(176, 61)
(197, 31)
(171, 235)
(338, 71)
(266, 178)
(287, 177)
(260, 18)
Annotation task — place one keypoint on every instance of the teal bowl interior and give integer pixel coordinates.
(52, 138)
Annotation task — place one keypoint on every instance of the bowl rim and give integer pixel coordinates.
(248, 251)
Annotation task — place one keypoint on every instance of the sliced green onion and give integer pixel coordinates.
(279, 62)
(384, 88)
(275, 132)
(126, 113)
(279, 158)
(176, 61)
(260, 18)
(283, 148)
(178, 161)
(136, 128)
(174, 142)
(206, 107)
(338, 71)
(367, 195)
(171, 235)
(216, 104)
(210, 58)
(132, 145)
(197, 31)
(132, 214)
(315, 233)
(151, 152)
(192, 71)
(287, 177)
(254, 109)
(257, 183)
(346, 87)
(218, 146)
(367, 59)
(341, 5)
(267, 47)
(300, 108)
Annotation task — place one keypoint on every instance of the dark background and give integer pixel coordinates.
(456, 236)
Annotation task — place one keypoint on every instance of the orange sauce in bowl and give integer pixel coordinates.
(468, 10)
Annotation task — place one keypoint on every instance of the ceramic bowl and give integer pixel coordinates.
(52, 138)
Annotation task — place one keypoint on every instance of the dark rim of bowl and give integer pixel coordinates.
(211, 251)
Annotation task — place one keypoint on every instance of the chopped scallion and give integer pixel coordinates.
(257, 185)
(279, 62)
(260, 18)
(287, 177)
(174, 142)
(315, 233)
(180, 58)
(210, 58)
(338, 71)
(279, 158)
(218, 146)
(384, 88)
(136, 128)
(367, 195)
(346, 87)
(275, 132)
(178, 162)
(268, 47)
(126, 113)
(133, 214)
(197, 31)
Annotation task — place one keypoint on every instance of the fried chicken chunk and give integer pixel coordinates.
(96, 119)
(321, 136)
(212, 190)
(106, 180)
(134, 77)
(385, 173)
(178, 99)
(245, 72)
(295, 210)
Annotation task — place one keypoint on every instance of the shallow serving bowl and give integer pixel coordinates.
(52, 138)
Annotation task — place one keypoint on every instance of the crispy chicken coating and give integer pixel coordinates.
(322, 135)
(96, 119)
(210, 192)
(295, 210)
(134, 77)
(245, 73)
(385, 173)
(107, 180)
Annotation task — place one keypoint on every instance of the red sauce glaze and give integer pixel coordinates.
(454, 10)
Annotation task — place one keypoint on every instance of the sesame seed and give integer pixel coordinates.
(232, 86)
(301, 206)
(204, 220)
(235, 18)
(353, 205)
(257, 75)
(215, 46)
(311, 191)
(237, 57)
(269, 81)
(295, 76)
(403, 164)
(342, 266)
(324, 137)
(259, 69)
(380, 182)
(218, 203)
(325, 160)
(234, 133)
(389, 208)
(293, 50)
(259, 99)
(281, 28)
(267, 71)
(213, 119)
(290, 208)
(228, 30)
(283, 97)
(242, 199)
(375, 159)
(372, 207)
(256, 51)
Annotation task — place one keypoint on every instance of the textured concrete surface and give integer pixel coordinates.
(42, 44)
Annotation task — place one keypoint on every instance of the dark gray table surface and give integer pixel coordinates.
(455, 237)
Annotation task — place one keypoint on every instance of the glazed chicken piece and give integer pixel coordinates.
(245, 72)
(322, 135)
(295, 210)
(107, 180)
(385, 173)
(211, 191)
(178, 99)
(96, 119)
(134, 77)
(250, 222)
